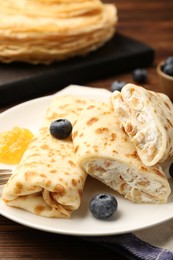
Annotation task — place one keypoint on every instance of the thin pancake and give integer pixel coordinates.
(47, 181)
(105, 152)
(147, 118)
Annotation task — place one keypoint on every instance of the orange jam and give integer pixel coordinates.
(13, 144)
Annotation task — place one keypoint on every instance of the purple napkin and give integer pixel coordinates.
(131, 247)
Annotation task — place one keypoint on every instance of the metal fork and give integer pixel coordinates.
(5, 174)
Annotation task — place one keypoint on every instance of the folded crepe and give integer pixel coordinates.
(105, 152)
(44, 31)
(47, 181)
(147, 118)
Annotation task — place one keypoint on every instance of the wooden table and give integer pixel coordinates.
(150, 21)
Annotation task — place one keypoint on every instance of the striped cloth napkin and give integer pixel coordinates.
(154, 243)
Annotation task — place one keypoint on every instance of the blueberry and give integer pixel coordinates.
(61, 128)
(117, 85)
(171, 170)
(103, 205)
(140, 75)
(168, 69)
(169, 60)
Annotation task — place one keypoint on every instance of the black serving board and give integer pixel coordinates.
(22, 81)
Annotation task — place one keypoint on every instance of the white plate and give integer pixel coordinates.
(129, 217)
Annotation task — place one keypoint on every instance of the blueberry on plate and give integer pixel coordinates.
(103, 206)
(117, 85)
(140, 75)
(171, 170)
(61, 128)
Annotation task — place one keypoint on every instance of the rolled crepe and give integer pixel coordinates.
(47, 181)
(147, 118)
(105, 152)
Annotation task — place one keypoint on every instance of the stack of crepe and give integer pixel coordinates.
(43, 31)
(50, 178)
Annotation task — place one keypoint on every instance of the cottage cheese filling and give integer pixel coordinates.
(114, 173)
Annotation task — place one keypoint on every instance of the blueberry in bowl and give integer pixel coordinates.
(167, 66)
(165, 73)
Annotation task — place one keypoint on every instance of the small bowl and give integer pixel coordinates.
(166, 81)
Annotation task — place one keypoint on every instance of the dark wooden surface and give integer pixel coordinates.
(150, 21)
(26, 81)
